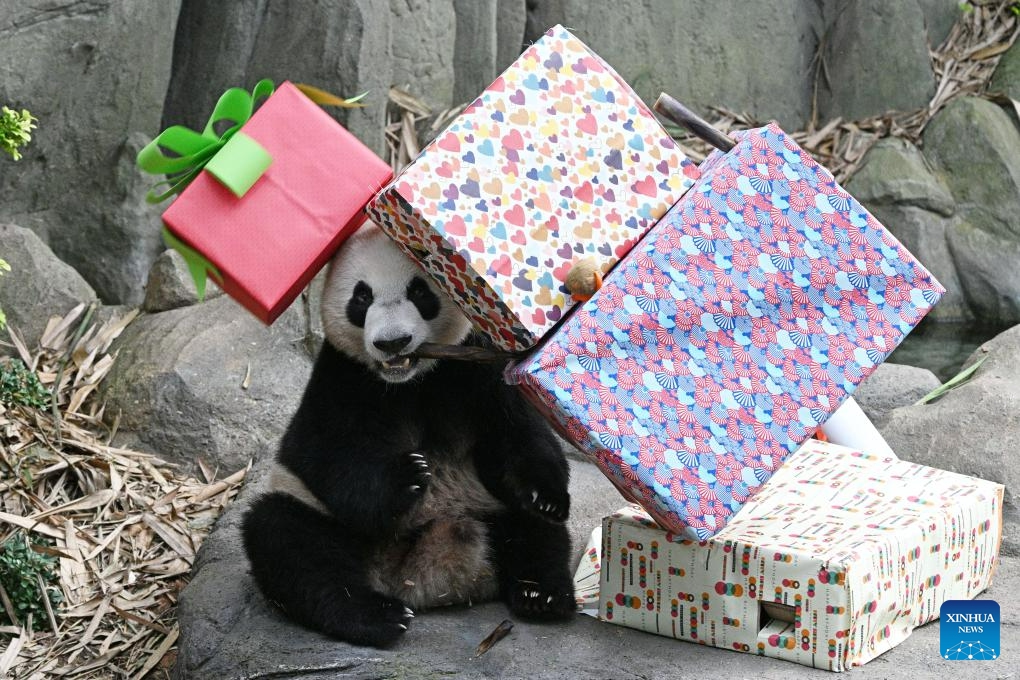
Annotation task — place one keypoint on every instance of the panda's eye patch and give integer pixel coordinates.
(419, 293)
(357, 306)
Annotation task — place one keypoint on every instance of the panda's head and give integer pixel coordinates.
(378, 307)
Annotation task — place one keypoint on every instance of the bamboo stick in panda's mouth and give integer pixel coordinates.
(432, 350)
(687, 119)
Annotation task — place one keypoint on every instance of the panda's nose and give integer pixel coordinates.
(393, 345)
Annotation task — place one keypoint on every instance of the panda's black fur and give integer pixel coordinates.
(405, 483)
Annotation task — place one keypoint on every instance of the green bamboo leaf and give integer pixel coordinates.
(957, 380)
(323, 98)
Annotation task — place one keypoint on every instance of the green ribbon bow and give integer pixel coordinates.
(241, 163)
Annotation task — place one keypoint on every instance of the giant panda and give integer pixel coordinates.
(405, 483)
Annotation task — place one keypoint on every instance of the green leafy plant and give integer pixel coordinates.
(15, 130)
(21, 387)
(21, 570)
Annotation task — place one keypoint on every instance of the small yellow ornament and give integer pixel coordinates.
(584, 278)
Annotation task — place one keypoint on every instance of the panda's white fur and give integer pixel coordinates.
(370, 256)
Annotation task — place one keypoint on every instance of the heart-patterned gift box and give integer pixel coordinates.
(556, 161)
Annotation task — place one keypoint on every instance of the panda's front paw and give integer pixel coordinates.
(542, 602)
(553, 505)
(414, 476)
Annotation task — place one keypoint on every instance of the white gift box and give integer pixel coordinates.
(836, 560)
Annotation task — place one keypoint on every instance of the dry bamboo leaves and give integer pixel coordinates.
(124, 526)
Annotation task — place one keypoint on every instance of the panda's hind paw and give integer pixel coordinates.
(534, 601)
(555, 507)
(375, 620)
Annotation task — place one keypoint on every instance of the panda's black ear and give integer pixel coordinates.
(357, 306)
(424, 299)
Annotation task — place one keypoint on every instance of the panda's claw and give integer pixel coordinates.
(549, 509)
(541, 602)
(415, 476)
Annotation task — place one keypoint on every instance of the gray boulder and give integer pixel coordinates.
(954, 207)
(898, 185)
(975, 146)
(39, 284)
(92, 73)
(892, 386)
(207, 380)
(894, 172)
(1006, 79)
(444, 52)
(987, 265)
(876, 60)
(170, 285)
(511, 25)
(972, 429)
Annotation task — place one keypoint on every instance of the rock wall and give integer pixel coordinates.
(103, 76)
(93, 72)
(766, 58)
(444, 51)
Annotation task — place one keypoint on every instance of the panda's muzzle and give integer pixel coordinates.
(396, 364)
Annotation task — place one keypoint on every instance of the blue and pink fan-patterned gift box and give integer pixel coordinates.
(729, 334)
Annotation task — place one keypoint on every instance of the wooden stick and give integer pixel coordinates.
(687, 119)
(500, 632)
(431, 350)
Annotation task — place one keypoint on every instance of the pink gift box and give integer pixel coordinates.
(268, 244)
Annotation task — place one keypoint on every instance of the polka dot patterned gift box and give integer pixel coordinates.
(729, 334)
(556, 161)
